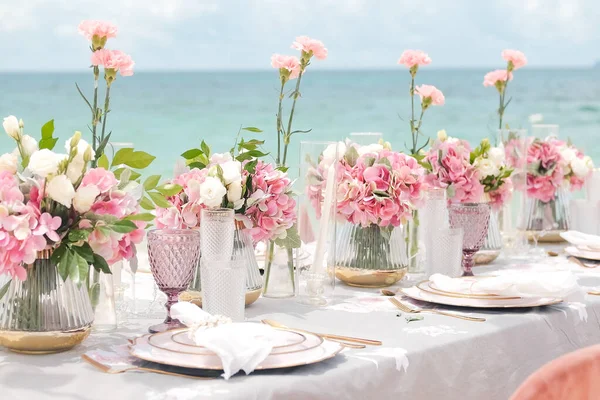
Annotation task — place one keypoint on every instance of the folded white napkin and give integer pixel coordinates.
(240, 346)
(582, 239)
(557, 284)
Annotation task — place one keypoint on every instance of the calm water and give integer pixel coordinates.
(167, 113)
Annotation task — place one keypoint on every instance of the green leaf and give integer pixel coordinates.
(132, 176)
(147, 204)
(101, 264)
(198, 165)
(254, 142)
(192, 153)
(123, 226)
(140, 217)
(48, 129)
(252, 129)
(282, 169)
(300, 131)
(251, 166)
(4, 289)
(76, 235)
(85, 251)
(139, 160)
(121, 156)
(66, 260)
(103, 162)
(48, 143)
(205, 148)
(159, 200)
(151, 182)
(79, 269)
(94, 294)
(169, 189)
(102, 144)
(351, 156)
(292, 240)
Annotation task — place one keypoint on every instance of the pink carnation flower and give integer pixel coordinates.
(411, 58)
(101, 29)
(515, 57)
(499, 75)
(290, 64)
(115, 60)
(311, 47)
(430, 95)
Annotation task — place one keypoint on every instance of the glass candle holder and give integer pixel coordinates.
(473, 219)
(445, 254)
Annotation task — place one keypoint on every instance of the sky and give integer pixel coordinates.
(161, 35)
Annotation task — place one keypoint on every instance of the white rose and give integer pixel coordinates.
(486, 167)
(75, 170)
(496, 156)
(60, 189)
(85, 197)
(334, 150)
(29, 145)
(442, 135)
(369, 149)
(568, 154)
(234, 191)
(220, 158)
(212, 192)
(45, 162)
(81, 148)
(232, 171)
(580, 167)
(11, 127)
(9, 162)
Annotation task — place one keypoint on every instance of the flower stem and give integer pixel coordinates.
(95, 113)
(412, 118)
(106, 105)
(288, 134)
(280, 130)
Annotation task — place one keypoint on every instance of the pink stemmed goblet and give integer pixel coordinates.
(474, 219)
(173, 256)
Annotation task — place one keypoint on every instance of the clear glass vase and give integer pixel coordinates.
(545, 221)
(102, 297)
(280, 275)
(243, 248)
(44, 314)
(370, 256)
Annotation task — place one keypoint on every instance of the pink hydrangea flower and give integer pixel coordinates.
(430, 95)
(499, 75)
(101, 29)
(545, 172)
(411, 58)
(310, 47)
(515, 57)
(48, 225)
(103, 179)
(115, 60)
(290, 64)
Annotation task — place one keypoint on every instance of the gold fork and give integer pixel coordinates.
(414, 310)
(354, 342)
(581, 263)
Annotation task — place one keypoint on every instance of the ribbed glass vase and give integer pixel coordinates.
(370, 256)
(546, 220)
(44, 314)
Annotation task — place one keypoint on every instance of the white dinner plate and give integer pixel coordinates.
(430, 287)
(457, 301)
(580, 253)
(142, 349)
(284, 342)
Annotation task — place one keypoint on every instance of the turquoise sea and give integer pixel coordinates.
(165, 113)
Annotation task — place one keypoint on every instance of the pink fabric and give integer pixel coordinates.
(575, 376)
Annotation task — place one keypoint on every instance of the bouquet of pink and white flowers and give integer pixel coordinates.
(469, 176)
(52, 201)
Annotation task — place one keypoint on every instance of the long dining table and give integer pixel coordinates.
(437, 357)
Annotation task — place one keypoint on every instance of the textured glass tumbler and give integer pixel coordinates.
(217, 229)
(173, 255)
(434, 216)
(474, 219)
(445, 255)
(224, 287)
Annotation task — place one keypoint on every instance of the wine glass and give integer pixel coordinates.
(173, 256)
(474, 219)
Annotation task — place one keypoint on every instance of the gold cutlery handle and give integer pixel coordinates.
(455, 315)
(349, 339)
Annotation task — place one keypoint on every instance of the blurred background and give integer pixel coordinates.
(203, 68)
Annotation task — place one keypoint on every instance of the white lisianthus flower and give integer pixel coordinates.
(442, 135)
(234, 191)
(45, 162)
(212, 192)
(232, 171)
(580, 167)
(82, 146)
(11, 127)
(369, 149)
(29, 145)
(486, 167)
(85, 197)
(75, 170)
(220, 158)
(9, 162)
(60, 189)
(496, 156)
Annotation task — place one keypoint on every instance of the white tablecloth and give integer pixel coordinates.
(444, 357)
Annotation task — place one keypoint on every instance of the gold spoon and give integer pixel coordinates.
(325, 335)
(386, 292)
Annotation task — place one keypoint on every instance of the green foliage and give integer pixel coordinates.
(292, 239)
(252, 129)
(170, 189)
(351, 156)
(141, 216)
(159, 200)
(151, 182)
(103, 162)
(133, 159)
(47, 141)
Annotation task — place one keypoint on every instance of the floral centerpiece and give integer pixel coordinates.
(377, 191)
(58, 220)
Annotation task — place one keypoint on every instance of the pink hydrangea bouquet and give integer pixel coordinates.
(469, 176)
(53, 201)
(552, 164)
(259, 193)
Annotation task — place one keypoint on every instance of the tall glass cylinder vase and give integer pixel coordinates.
(102, 297)
(414, 241)
(44, 314)
(434, 217)
(315, 272)
(280, 271)
(370, 256)
(546, 220)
